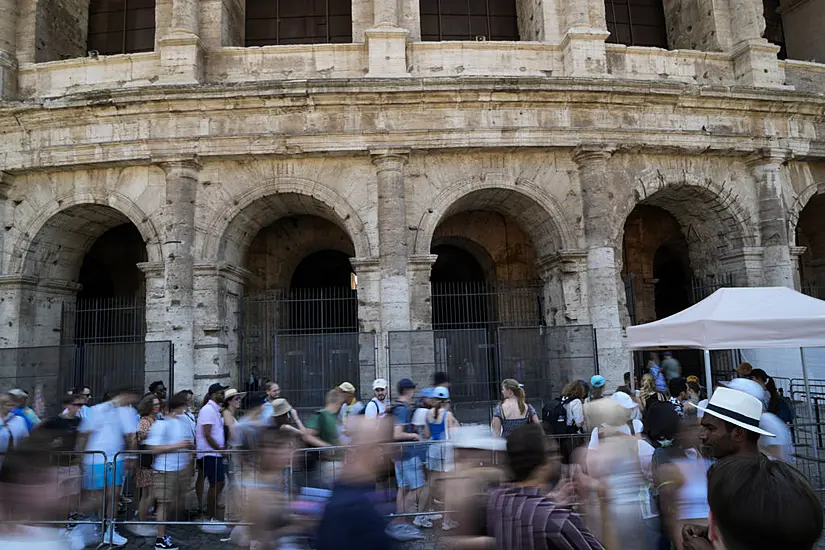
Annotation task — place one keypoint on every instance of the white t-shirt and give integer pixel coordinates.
(107, 426)
(773, 424)
(625, 429)
(15, 427)
(375, 408)
(170, 432)
(575, 412)
(419, 417)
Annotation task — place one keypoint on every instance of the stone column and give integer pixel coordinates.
(178, 272)
(386, 41)
(754, 58)
(564, 275)
(584, 32)
(8, 49)
(777, 267)
(421, 304)
(372, 356)
(181, 51)
(796, 254)
(17, 307)
(216, 296)
(600, 222)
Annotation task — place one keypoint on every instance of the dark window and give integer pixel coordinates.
(636, 22)
(121, 26)
(469, 20)
(272, 22)
(774, 31)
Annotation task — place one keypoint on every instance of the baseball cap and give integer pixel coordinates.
(346, 387)
(624, 400)
(428, 393)
(216, 387)
(405, 384)
(379, 384)
(17, 392)
(597, 381)
(441, 393)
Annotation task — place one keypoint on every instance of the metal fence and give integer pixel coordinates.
(477, 360)
(479, 304)
(48, 372)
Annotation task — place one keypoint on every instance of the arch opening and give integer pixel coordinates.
(810, 233)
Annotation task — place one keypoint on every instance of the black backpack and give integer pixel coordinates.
(555, 418)
(367, 404)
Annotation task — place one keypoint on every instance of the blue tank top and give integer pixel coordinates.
(437, 431)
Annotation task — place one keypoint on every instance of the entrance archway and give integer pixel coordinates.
(810, 233)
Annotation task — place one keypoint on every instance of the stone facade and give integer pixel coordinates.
(561, 159)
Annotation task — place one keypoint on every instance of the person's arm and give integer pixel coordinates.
(535, 418)
(426, 432)
(400, 435)
(495, 425)
(668, 480)
(577, 411)
(207, 434)
(371, 413)
(298, 422)
(312, 432)
(452, 421)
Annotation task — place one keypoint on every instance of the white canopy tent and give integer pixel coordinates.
(737, 318)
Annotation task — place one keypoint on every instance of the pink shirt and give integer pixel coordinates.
(209, 414)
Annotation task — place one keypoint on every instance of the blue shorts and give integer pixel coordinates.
(409, 473)
(94, 475)
(213, 469)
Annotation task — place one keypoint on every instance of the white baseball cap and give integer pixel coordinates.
(379, 384)
(624, 400)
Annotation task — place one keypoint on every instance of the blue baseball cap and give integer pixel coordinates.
(597, 381)
(405, 384)
(427, 393)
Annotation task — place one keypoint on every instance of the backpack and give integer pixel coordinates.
(378, 409)
(555, 418)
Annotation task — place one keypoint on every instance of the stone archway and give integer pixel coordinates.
(810, 234)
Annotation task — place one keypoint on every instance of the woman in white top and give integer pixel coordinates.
(630, 427)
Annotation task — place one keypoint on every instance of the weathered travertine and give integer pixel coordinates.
(558, 160)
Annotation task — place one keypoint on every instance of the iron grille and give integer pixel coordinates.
(473, 304)
(274, 22)
(469, 20)
(100, 320)
(636, 22)
(704, 287)
(121, 26)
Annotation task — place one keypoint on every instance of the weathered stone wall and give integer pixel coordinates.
(61, 31)
(697, 25)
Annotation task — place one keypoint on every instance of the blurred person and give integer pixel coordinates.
(12, 427)
(694, 390)
(188, 412)
(409, 472)
(758, 504)
(671, 366)
(523, 515)
(628, 426)
(158, 389)
(351, 520)
(636, 413)
(774, 403)
(780, 446)
(169, 440)
(148, 411)
(377, 406)
(322, 431)
(110, 428)
(84, 393)
(351, 407)
(513, 410)
(730, 424)
(210, 440)
(61, 433)
(230, 406)
(566, 418)
(649, 392)
(441, 379)
(273, 392)
(20, 398)
(615, 464)
(743, 370)
(27, 494)
(678, 389)
(597, 383)
(655, 370)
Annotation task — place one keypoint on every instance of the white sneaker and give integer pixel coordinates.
(83, 535)
(449, 524)
(422, 521)
(113, 537)
(434, 517)
(214, 527)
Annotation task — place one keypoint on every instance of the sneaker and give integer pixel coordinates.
(449, 524)
(422, 521)
(165, 543)
(404, 532)
(83, 535)
(214, 527)
(143, 530)
(113, 537)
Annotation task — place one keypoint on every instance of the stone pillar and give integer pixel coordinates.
(796, 255)
(421, 303)
(564, 275)
(583, 38)
(216, 295)
(181, 51)
(8, 49)
(754, 58)
(178, 272)
(372, 355)
(777, 268)
(600, 223)
(386, 41)
(17, 307)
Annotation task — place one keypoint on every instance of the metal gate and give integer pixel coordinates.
(307, 340)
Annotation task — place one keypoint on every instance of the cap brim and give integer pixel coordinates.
(735, 422)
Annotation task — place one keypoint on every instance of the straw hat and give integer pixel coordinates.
(280, 407)
(736, 407)
(230, 393)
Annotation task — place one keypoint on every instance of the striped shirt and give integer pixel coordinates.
(523, 518)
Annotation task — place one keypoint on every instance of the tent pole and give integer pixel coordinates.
(631, 368)
(708, 380)
(808, 400)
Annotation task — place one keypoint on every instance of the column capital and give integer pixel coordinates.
(588, 154)
(151, 269)
(365, 265)
(6, 183)
(177, 162)
(768, 157)
(422, 262)
(226, 270)
(389, 158)
(568, 261)
(797, 251)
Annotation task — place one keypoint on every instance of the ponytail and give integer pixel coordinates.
(522, 398)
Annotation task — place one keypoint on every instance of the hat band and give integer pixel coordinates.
(735, 415)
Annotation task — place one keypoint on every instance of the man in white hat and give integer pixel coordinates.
(779, 447)
(377, 406)
(730, 424)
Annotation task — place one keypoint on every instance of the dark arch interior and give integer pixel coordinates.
(672, 279)
(110, 305)
(457, 288)
(321, 296)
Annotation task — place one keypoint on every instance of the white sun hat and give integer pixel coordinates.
(624, 400)
(736, 407)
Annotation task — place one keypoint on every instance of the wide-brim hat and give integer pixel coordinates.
(736, 407)
(280, 407)
(230, 393)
